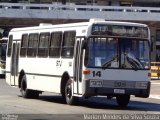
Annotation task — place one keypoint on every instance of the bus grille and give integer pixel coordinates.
(119, 84)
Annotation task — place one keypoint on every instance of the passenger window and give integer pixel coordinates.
(32, 45)
(68, 44)
(55, 44)
(43, 44)
(24, 45)
(10, 45)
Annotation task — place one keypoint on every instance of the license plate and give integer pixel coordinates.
(119, 91)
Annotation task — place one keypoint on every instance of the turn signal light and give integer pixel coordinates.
(86, 72)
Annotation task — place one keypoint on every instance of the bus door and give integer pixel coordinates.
(78, 66)
(14, 63)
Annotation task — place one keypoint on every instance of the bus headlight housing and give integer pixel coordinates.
(96, 83)
(141, 85)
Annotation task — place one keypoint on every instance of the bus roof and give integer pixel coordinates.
(92, 21)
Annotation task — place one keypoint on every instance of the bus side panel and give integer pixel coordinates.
(45, 74)
(43, 83)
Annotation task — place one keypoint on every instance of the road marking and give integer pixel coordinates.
(155, 96)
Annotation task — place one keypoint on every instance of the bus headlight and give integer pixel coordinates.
(141, 85)
(96, 83)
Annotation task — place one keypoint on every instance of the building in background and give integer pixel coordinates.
(142, 3)
(154, 25)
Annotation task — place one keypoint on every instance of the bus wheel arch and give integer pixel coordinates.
(70, 99)
(23, 87)
(65, 78)
(22, 73)
(25, 92)
(66, 89)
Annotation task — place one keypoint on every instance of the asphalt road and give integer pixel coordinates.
(52, 106)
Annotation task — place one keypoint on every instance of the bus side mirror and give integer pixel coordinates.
(84, 44)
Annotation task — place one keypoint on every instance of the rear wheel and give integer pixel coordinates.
(70, 99)
(26, 93)
(123, 100)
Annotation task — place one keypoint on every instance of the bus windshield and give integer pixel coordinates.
(124, 53)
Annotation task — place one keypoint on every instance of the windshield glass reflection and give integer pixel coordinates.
(117, 53)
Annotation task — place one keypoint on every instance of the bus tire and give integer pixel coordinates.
(70, 99)
(123, 100)
(26, 93)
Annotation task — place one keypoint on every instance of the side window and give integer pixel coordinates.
(32, 45)
(43, 44)
(55, 44)
(24, 45)
(10, 45)
(68, 44)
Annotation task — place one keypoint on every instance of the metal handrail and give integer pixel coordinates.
(26, 6)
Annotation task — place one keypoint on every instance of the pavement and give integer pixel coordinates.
(155, 89)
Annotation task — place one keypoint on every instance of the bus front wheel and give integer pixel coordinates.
(123, 100)
(70, 99)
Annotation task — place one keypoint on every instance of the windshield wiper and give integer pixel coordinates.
(129, 61)
(107, 64)
(134, 62)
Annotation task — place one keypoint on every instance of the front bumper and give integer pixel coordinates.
(130, 88)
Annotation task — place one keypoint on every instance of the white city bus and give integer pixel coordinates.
(95, 58)
(3, 47)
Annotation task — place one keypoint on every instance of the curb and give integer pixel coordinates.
(155, 96)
